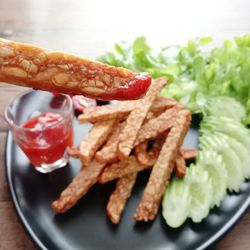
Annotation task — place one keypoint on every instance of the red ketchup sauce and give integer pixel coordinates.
(133, 90)
(49, 140)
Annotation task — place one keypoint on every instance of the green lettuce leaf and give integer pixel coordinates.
(195, 73)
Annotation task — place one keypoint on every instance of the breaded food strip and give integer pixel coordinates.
(31, 66)
(119, 197)
(94, 139)
(73, 152)
(180, 165)
(108, 153)
(151, 115)
(131, 165)
(135, 119)
(148, 158)
(158, 125)
(189, 153)
(162, 169)
(143, 156)
(120, 169)
(78, 187)
(121, 109)
(106, 112)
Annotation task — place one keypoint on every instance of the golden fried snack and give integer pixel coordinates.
(151, 115)
(180, 165)
(131, 165)
(119, 197)
(120, 169)
(78, 187)
(189, 153)
(136, 117)
(31, 66)
(162, 169)
(158, 125)
(73, 152)
(94, 139)
(143, 156)
(157, 145)
(148, 158)
(106, 112)
(108, 153)
(121, 110)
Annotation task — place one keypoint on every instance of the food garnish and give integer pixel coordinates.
(195, 72)
(222, 164)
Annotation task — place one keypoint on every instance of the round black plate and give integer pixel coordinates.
(86, 227)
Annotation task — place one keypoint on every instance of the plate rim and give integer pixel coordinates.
(24, 222)
(8, 170)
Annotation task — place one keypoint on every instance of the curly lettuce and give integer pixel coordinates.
(195, 73)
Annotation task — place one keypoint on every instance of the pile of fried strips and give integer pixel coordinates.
(126, 138)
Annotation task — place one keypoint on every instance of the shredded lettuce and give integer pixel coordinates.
(195, 73)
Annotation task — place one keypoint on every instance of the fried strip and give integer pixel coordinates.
(119, 197)
(131, 165)
(148, 158)
(106, 112)
(151, 115)
(158, 125)
(135, 119)
(78, 187)
(143, 160)
(162, 169)
(94, 139)
(121, 109)
(108, 153)
(180, 165)
(142, 156)
(73, 152)
(189, 153)
(30, 66)
(120, 169)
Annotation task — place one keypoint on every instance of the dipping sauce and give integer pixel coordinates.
(48, 137)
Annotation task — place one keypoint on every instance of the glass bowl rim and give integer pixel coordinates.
(12, 124)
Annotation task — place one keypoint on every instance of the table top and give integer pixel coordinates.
(91, 27)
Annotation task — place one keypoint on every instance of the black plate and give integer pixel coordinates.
(86, 227)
